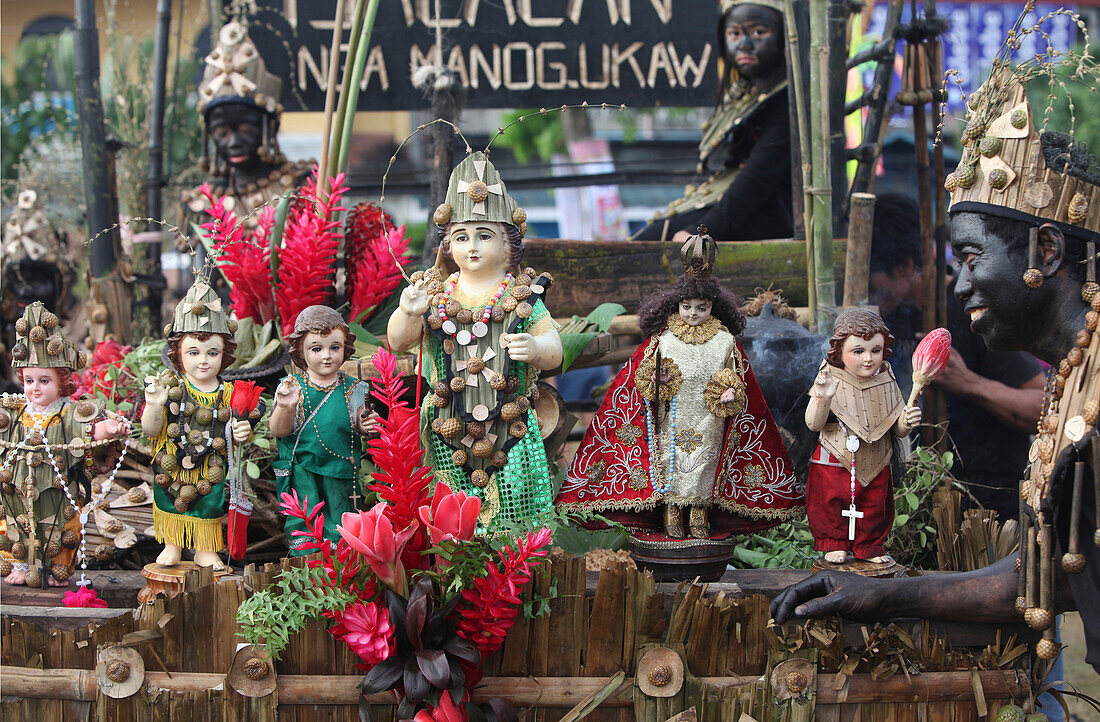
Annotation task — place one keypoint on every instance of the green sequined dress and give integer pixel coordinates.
(482, 435)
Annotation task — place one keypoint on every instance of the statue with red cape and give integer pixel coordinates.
(685, 427)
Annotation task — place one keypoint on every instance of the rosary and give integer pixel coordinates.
(852, 445)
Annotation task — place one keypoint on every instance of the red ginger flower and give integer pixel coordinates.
(451, 515)
(488, 610)
(377, 275)
(366, 221)
(372, 535)
(308, 255)
(245, 397)
(366, 629)
(446, 711)
(244, 258)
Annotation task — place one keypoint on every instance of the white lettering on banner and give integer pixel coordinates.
(492, 73)
(376, 63)
(526, 14)
(528, 80)
(557, 66)
(606, 65)
(423, 11)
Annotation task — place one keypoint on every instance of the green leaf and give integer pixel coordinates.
(900, 519)
(572, 345)
(604, 314)
(911, 500)
(252, 469)
(362, 334)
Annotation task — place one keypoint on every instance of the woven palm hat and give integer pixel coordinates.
(39, 344)
(235, 73)
(475, 192)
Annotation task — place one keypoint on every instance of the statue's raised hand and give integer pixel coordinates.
(287, 394)
(824, 385)
(156, 391)
(414, 300)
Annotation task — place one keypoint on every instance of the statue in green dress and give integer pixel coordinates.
(318, 418)
(486, 336)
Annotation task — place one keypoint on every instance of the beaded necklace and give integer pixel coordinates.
(313, 417)
(480, 327)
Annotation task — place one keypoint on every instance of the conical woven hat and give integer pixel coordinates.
(1004, 170)
(235, 73)
(29, 235)
(200, 311)
(475, 192)
(39, 343)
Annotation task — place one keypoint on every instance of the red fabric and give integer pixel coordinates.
(238, 530)
(829, 492)
(739, 506)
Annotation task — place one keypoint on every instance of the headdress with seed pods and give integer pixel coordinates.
(1010, 169)
(201, 311)
(39, 343)
(776, 5)
(29, 235)
(475, 192)
(235, 73)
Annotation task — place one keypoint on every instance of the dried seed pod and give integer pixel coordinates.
(162, 480)
(518, 429)
(223, 414)
(497, 314)
(1076, 211)
(498, 459)
(103, 552)
(118, 671)
(6, 567)
(114, 526)
(9, 489)
(438, 401)
(204, 416)
(54, 346)
(255, 668)
(476, 429)
(510, 411)
(49, 321)
(19, 551)
(1018, 118)
(497, 382)
(459, 457)
(214, 474)
(5, 543)
(508, 304)
(519, 216)
(21, 326)
(24, 523)
(69, 513)
(464, 315)
(173, 430)
(483, 449)
(524, 279)
(458, 384)
(442, 214)
(218, 443)
(188, 493)
(990, 145)
(175, 394)
(479, 478)
(19, 351)
(450, 428)
(70, 539)
(6, 476)
(478, 191)
(37, 334)
(452, 307)
(1047, 649)
(1050, 423)
(416, 276)
(203, 488)
(1073, 563)
(181, 506)
(1089, 291)
(524, 310)
(998, 179)
(1089, 411)
(52, 549)
(61, 572)
(435, 322)
(33, 578)
(966, 176)
(442, 389)
(195, 437)
(1038, 618)
(1084, 338)
(521, 292)
(951, 183)
(1021, 605)
(1075, 356)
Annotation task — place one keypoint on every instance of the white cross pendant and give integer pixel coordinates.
(852, 515)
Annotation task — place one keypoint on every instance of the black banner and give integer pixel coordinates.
(506, 53)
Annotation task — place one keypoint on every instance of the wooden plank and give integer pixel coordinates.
(117, 588)
(587, 273)
(59, 618)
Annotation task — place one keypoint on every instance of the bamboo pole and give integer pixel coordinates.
(821, 232)
(347, 81)
(343, 689)
(857, 263)
(330, 96)
(798, 90)
(362, 51)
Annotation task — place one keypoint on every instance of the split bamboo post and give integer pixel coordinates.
(821, 231)
(330, 97)
(798, 90)
(343, 689)
(857, 264)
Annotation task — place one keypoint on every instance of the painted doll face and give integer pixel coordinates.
(237, 132)
(695, 311)
(754, 36)
(202, 360)
(479, 246)
(323, 354)
(41, 386)
(862, 357)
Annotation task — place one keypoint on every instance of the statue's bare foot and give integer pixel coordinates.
(170, 556)
(209, 559)
(884, 559)
(16, 577)
(836, 557)
(53, 582)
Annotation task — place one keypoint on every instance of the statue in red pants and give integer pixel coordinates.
(857, 406)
